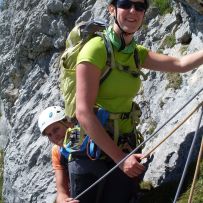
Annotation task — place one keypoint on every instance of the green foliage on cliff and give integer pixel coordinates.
(198, 190)
(164, 6)
(174, 80)
(165, 193)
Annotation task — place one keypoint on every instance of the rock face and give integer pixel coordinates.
(4, 126)
(196, 4)
(32, 37)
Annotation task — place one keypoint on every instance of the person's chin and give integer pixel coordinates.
(129, 30)
(60, 143)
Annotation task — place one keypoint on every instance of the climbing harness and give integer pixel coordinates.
(139, 146)
(78, 143)
(188, 159)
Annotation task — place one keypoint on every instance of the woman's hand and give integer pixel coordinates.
(132, 166)
(70, 200)
(65, 199)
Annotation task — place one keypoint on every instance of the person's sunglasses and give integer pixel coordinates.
(139, 6)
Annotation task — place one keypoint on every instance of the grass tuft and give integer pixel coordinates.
(165, 193)
(174, 80)
(164, 6)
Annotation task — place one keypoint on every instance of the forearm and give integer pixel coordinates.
(164, 63)
(62, 185)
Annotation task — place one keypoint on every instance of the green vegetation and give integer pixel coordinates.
(164, 6)
(1, 175)
(198, 190)
(169, 41)
(165, 193)
(162, 194)
(174, 80)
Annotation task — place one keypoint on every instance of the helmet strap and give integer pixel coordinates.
(122, 42)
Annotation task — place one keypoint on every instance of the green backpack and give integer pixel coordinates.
(78, 36)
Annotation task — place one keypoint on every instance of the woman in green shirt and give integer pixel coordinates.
(115, 95)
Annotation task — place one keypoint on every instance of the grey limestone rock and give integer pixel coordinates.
(32, 38)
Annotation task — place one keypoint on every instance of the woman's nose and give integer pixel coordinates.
(132, 9)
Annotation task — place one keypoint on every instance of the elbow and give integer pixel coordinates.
(182, 67)
(79, 115)
(85, 116)
(82, 115)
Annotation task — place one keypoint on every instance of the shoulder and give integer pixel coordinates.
(141, 48)
(56, 158)
(94, 51)
(143, 52)
(55, 150)
(96, 41)
(94, 45)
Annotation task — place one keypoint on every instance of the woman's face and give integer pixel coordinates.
(56, 133)
(130, 15)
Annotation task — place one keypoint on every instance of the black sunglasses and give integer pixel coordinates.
(139, 6)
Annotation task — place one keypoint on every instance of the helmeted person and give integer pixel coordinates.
(52, 123)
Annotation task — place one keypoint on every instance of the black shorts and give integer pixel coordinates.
(116, 187)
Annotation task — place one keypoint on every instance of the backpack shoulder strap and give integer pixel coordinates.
(110, 58)
(137, 63)
(136, 58)
(111, 62)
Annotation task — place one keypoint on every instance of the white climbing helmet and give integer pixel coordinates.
(50, 115)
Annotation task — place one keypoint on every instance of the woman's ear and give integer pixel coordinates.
(111, 9)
